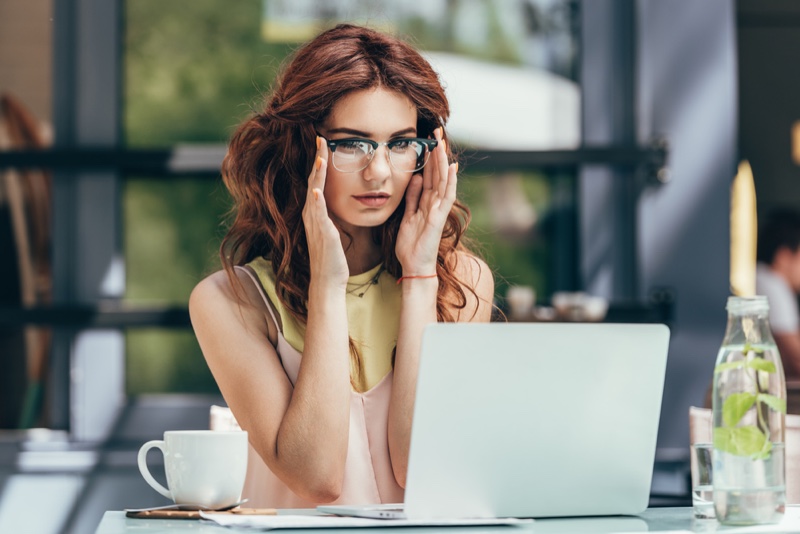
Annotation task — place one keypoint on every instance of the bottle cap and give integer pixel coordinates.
(748, 305)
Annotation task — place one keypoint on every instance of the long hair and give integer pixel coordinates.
(270, 157)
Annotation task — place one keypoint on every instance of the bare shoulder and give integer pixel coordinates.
(216, 296)
(210, 289)
(472, 270)
(215, 290)
(478, 283)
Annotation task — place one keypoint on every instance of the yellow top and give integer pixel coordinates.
(373, 318)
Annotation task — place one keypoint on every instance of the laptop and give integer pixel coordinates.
(532, 420)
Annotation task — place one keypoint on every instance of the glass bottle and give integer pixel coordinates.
(749, 407)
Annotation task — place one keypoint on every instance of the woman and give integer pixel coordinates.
(346, 242)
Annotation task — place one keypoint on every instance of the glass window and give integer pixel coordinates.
(195, 68)
(171, 236)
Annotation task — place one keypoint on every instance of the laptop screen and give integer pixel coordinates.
(535, 419)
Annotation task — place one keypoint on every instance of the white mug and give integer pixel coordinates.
(204, 467)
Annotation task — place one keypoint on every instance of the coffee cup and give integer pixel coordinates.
(204, 468)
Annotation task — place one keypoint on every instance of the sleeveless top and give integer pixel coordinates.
(368, 477)
(373, 308)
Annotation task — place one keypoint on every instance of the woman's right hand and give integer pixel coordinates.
(325, 251)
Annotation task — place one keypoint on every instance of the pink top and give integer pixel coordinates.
(368, 476)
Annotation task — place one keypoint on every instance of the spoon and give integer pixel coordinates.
(186, 507)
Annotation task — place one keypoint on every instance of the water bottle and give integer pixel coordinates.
(749, 402)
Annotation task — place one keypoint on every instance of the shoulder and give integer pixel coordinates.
(764, 272)
(771, 284)
(477, 282)
(217, 287)
(218, 296)
(784, 316)
(472, 271)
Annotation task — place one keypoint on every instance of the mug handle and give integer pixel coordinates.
(159, 444)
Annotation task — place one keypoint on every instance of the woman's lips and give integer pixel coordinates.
(373, 200)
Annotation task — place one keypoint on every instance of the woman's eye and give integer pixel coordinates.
(401, 144)
(349, 146)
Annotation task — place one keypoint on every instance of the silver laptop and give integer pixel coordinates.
(532, 420)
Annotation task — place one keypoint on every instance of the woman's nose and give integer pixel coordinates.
(379, 168)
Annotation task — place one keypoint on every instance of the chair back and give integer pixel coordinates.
(700, 431)
(25, 198)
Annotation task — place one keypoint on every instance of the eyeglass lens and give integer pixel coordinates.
(405, 156)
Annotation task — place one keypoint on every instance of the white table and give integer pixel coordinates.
(652, 520)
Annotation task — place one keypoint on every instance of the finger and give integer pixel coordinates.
(318, 175)
(413, 193)
(319, 210)
(440, 182)
(427, 177)
(317, 178)
(319, 200)
(322, 147)
(427, 171)
(312, 203)
(324, 153)
(452, 181)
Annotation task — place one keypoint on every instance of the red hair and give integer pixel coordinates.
(270, 157)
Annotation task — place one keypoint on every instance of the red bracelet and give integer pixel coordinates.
(416, 276)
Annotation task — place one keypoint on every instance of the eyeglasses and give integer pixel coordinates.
(408, 154)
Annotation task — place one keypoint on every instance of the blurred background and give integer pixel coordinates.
(598, 140)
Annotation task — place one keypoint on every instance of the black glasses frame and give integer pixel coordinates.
(429, 145)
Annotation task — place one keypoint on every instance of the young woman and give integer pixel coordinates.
(346, 242)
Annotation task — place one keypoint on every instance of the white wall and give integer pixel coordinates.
(683, 87)
(687, 93)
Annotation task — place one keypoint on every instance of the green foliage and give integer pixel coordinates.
(776, 403)
(516, 260)
(761, 365)
(735, 406)
(193, 68)
(171, 235)
(748, 440)
(742, 441)
(161, 361)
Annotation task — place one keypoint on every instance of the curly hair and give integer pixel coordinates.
(271, 154)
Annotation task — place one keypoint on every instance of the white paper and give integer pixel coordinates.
(269, 522)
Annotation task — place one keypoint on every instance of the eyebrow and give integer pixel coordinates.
(359, 133)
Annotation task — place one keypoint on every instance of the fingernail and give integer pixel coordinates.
(319, 162)
(316, 194)
(456, 166)
(318, 142)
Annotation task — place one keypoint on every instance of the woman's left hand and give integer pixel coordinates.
(429, 197)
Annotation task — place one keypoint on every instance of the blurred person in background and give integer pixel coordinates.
(778, 278)
(347, 240)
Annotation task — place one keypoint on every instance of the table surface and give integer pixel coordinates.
(652, 520)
